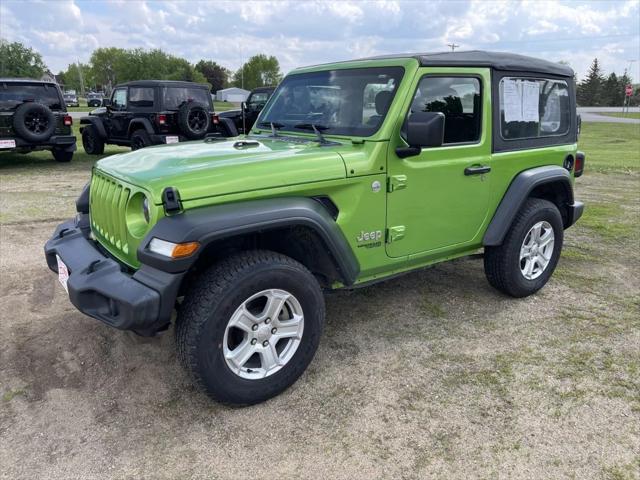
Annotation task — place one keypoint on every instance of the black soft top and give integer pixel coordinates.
(162, 83)
(27, 80)
(511, 62)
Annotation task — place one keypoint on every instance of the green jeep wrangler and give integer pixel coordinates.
(354, 172)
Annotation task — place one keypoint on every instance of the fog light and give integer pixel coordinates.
(172, 250)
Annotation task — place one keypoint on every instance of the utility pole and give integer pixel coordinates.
(453, 46)
(81, 79)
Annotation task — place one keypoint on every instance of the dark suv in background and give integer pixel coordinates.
(151, 112)
(94, 99)
(71, 100)
(33, 116)
(244, 118)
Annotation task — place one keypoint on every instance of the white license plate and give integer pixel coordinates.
(63, 273)
(7, 144)
(172, 139)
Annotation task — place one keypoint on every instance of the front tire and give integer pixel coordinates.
(524, 262)
(249, 326)
(91, 141)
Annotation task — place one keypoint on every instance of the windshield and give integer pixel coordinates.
(94, 95)
(14, 94)
(258, 97)
(174, 97)
(338, 102)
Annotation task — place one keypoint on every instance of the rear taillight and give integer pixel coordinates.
(68, 121)
(162, 119)
(215, 119)
(578, 166)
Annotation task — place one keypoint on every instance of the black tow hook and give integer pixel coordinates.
(92, 266)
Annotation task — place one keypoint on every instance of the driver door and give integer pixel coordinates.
(439, 198)
(119, 116)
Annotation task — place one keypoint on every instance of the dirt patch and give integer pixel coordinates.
(432, 375)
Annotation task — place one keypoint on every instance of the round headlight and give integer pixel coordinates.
(145, 209)
(138, 215)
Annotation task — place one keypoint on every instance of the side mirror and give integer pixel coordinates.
(423, 130)
(243, 105)
(106, 102)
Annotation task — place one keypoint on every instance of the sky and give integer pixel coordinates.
(309, 32)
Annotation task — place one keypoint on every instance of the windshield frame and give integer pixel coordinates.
(395, 70)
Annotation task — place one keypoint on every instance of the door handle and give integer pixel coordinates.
(477, 170)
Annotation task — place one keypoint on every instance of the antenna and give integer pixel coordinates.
(453, 46)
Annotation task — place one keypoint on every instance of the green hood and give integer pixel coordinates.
(202, 169)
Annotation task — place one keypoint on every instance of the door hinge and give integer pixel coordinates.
(396, 182)
(395, 233)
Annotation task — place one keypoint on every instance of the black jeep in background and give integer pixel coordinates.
(33, 116)
(152, 112)
(244, 118)
(94, 99)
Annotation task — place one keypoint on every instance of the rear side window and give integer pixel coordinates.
(175, 97)
(141, 97)
(533, 108)
(459, 99)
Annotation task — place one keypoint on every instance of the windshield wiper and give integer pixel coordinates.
(275, 126)
(316, 129)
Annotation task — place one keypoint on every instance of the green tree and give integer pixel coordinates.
(611, 94)
(216, 75)
(76, 76)
(111, 66)
(259, 71)
(590, 89)
(16, 60)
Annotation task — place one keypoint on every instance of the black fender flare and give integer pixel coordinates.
(140, 121)
(228, 126)
(96, 122)
(517, 193)
(208, 224)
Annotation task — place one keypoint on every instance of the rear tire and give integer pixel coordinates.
(61, 155)
(140, 139)
(208, 322)
(91, 141)
(522, 265)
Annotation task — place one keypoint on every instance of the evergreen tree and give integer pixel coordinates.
(590, 89)
(611, 91)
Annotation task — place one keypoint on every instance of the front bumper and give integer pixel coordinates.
(101, 287)
(574, 212)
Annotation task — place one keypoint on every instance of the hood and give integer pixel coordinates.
(202, 169)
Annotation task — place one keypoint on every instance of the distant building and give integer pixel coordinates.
(233, 94)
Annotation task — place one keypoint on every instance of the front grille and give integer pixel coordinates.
(108, 203)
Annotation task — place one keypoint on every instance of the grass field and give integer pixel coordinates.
(620, 114)
(431, 375)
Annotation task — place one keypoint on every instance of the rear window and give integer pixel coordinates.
(533, 108)
(141, 97)
(13, 94)
(174, 97)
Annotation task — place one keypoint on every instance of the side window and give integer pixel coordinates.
(460, 100)
(533, 107)
(119, 99)
(141, 97)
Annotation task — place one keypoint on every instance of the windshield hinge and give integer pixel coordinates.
(396, 182)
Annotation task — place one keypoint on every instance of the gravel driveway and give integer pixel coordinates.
(432, 375)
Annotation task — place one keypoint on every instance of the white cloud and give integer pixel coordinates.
(309, 32)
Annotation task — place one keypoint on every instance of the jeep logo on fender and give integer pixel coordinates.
(369, 239)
